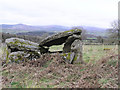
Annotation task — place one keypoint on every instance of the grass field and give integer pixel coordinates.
(97, 52)
(50, 71)
(93, 52)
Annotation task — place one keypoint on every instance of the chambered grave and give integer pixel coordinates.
(72, 50)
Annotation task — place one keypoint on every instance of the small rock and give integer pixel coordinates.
(18, 56)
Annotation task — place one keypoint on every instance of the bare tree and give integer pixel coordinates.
(100, 39)
(113, 32)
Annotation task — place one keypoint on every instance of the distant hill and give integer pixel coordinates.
(28, 29)
(18, 28)
(95, 30)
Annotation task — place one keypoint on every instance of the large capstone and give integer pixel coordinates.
(59, 38)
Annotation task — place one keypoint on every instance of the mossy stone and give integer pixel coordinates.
(59, 38)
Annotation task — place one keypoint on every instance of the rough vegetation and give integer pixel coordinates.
(51, 71)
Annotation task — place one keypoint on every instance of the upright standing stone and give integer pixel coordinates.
(76, 47)
(69, 41)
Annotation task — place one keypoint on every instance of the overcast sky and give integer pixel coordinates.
(99, 13)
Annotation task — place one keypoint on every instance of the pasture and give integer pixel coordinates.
(93, 53)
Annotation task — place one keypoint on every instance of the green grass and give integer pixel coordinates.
(103, 81)
(91, 53)
(56, 48)
(112, 62)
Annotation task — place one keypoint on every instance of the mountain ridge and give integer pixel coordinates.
(20, 28)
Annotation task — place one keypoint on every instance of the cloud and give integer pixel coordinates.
(59, 12)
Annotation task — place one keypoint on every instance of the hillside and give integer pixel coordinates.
(46, 28)
(95, 30)
(19, 28)
(22, 29)
(36, 33)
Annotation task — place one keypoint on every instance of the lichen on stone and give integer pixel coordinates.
(76, 56)
(73, 30)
